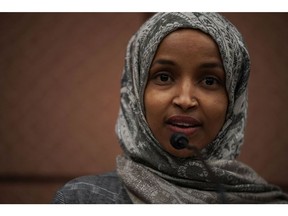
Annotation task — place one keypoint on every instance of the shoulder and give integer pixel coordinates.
(102, 189)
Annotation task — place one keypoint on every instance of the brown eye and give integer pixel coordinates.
(210, 81)
(164, 77)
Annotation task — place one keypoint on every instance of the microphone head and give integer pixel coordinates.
(179, 141)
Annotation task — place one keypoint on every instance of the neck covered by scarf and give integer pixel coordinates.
(150, 174)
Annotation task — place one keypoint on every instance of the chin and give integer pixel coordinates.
(185, 153)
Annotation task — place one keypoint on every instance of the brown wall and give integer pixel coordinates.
(59, 96)
(266, 143)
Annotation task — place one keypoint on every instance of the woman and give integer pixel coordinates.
(185, 74)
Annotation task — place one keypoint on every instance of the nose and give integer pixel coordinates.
(185, 96)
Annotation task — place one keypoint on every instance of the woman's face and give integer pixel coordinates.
(185, 91)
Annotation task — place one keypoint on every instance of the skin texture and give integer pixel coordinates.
(186, 90)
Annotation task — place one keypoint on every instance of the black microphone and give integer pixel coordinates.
(180, 141)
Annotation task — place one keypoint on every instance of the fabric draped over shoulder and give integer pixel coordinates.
(151, 174)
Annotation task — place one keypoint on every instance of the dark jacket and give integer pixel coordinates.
(100, 189)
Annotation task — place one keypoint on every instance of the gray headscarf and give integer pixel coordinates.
(150, 174)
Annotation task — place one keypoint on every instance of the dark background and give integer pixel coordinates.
(59, 97)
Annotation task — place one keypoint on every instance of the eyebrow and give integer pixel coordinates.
(211, 65)
(163, 62)
(206, 65)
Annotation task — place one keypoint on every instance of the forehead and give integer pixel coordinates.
(190, 34)
(188, 46)
(188, 39)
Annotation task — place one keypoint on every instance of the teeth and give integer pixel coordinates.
(182, 125)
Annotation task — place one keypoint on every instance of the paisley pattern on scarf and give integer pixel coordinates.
(150, 174)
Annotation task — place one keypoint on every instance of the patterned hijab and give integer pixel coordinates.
(152, 175)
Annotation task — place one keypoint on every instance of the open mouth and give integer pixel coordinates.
(183, 121)
(183, 124)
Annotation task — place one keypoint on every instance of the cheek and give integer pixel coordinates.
(150, 103)
(155, 105)
(218, 111)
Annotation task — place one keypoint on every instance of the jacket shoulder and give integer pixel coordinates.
(98, 189)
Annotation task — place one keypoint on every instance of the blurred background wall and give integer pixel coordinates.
(59, 97)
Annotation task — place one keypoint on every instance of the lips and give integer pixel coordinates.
(183, 124)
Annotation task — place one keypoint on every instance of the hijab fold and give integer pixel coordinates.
(152, 175)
